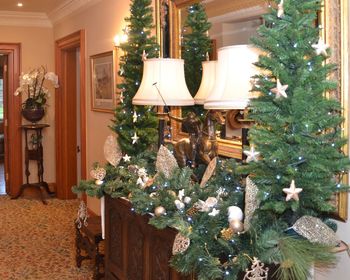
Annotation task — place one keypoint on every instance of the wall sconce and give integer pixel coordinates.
(120, 39)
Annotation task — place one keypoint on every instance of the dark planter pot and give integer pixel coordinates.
(33, 115)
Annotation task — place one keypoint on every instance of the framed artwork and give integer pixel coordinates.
(102, 82)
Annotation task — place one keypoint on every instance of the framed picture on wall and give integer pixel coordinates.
(102, 82)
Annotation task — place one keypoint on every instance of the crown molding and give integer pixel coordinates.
(69, 7)
(10, 18)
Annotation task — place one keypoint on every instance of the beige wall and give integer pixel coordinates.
(101, 23)
(37, 48)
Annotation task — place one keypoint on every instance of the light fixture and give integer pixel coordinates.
(120, 39)
(208, 81)
(163, 84)
(19, 4)
(233, 75)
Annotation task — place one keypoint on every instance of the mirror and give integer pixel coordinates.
(233, 23)
(240, 18)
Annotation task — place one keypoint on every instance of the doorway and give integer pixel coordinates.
(10, 126)
(70, 113)
(3, 67)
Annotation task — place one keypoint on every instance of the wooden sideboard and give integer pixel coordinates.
(135, 250)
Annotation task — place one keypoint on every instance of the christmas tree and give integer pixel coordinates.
(195, 47)
(295, 155)
(136, 126)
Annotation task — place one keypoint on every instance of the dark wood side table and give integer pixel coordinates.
(34, 152)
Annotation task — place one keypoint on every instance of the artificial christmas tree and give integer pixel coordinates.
(136, 126)
(196, 45)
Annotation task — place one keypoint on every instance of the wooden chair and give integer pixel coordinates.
(88, 239)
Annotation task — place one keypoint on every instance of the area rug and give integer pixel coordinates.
(37, 241)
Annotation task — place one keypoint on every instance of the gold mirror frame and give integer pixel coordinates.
(334, 18)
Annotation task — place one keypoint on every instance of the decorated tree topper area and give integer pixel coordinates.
(268, 215)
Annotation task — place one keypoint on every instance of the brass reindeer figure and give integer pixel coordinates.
(201, 146)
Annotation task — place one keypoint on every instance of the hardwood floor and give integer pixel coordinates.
(2, 179)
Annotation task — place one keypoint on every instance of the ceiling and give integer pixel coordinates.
(38, 6)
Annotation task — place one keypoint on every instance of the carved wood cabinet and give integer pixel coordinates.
(135, 250)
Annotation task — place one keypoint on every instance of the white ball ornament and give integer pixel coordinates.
(234, 213)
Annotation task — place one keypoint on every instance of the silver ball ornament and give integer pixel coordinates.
(237, 226)
(159, 211)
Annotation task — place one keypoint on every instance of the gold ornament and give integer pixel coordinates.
(159, 211)
(236, 226)
(166, 162)
(314, 230)
(209, 171)
(112, 151)
(227, 234)
(292, 192)
(99, 174)
(181, 244)
(257, 271)
(280, 90)
(251, 202)
(252, 155)
(172, 193)
(192, 211)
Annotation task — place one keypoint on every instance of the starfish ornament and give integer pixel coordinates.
(320, 47)
(252, 155)
(280, 10)
(134, 117)
(121, 72)
(122, 97)
(144, 55)
(135, 138)
(126, 158)
(280, 90)
(292, 192)
(214, 212)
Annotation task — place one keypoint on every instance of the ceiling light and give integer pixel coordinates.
(19, 4)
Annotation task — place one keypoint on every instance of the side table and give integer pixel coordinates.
(34, 152)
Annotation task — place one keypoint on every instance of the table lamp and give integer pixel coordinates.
(232, 88)
(233, 75)
(207, 82)
(163, 84)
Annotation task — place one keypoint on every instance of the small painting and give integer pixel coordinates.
(102, 82)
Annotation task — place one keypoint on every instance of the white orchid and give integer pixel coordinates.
(32, 84)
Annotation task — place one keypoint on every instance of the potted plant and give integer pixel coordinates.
(32, 84)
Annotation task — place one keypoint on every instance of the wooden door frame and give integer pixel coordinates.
(63, 45)
(12, 125)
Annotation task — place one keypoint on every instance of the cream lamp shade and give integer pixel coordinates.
(233, 78)
(163, 84)
(207, 83)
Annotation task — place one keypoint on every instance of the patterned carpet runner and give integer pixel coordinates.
(38, 241)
